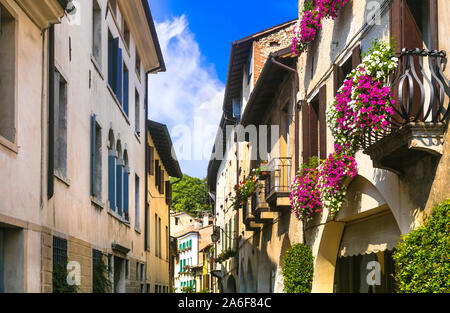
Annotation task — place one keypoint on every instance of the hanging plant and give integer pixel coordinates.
(305, 196)
(363, 105)
(333, 173)
(310, 22)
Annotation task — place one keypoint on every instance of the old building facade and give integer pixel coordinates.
(400, 173)
(73, 149)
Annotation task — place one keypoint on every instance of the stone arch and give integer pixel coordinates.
(125, 158)
(363, 199)
(111, 140)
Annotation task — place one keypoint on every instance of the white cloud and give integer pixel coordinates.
(189, 88)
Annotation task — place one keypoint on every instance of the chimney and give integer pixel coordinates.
(197, 224)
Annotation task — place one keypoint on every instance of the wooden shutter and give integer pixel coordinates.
(126, 175)
(161, 184)
(151, 164)
(111, 181)
(314, 128)
(157, 174)
(323, 122)
(305, 130)
(126, 91)
(338, 78)
(168, 193)
(119, 71)
(93, 156)
(119, 190)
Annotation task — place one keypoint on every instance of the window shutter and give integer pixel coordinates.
(119, 190)
(151, 166)
(168, 193)
(56, 115)
(356, 56)
(305, 131)
(162, 181)
(157, 174)
(93, 156)
(113, 50)
(323, 121)
(111, 180)
(126, 175)
(119, 85)
(126, 89)
(313, 129)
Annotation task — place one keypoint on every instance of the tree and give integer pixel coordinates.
(190, 195)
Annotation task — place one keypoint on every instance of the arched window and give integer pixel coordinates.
(119, 177)
(112, 154)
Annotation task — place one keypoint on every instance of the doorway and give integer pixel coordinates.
(119, 275)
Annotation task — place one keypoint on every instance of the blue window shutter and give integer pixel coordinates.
(111, 181)
(113, 49)
(126, 175)
(119, 190)
(119, 65)
(93, 156)
(125, 91)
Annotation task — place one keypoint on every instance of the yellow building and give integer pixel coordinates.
(161, 166)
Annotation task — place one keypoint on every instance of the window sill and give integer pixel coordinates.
(118, 217)
(97, 203)
(9, 145)
(62, 178)
(97, 67)
(118, 103)
(137, 230)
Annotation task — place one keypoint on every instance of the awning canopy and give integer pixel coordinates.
(372, 235)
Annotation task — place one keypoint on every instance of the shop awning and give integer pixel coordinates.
(371, 235)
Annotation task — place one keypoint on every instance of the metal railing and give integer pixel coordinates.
(421, 92)
(279, 179)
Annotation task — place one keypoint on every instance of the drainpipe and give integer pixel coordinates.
(296, 89)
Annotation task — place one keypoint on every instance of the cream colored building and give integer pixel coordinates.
(75, 147)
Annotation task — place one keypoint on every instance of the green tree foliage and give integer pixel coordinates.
(422, 258)
(298, 269)
(190, 195)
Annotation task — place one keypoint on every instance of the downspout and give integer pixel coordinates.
(51, 111)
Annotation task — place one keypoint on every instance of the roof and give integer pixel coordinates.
(163, 144)
(151, 24)
(267, 86)
(240, 51)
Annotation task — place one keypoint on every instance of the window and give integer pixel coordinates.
(60, 125)
(126, 34)
(97, 33)
(250, 67)
(138, 268)
(167, 243)
(142, 272)
(126, 87)
(176, 221)
(96, 159)
(138, 65)
(97, 257)
(127, 269)
(136, 203)
(157, 173)
(159, 238)
(119, 181)
(137, 114)
(151, 161)
(59, 255)
(112, 154)
(115, 64)
(7, 78)
(126, 186)
(314, 127)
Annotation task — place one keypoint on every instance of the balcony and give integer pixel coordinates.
(249, 219)
(421, 113)
(278, 183)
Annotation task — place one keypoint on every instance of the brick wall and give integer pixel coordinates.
(272, 42)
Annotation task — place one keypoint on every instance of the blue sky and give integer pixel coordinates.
(195, 37)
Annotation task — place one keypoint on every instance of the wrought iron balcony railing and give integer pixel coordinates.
(421, 111)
